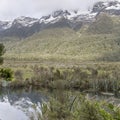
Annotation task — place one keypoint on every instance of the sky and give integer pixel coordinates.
(10, 9)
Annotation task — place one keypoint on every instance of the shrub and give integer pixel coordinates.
(6, 74)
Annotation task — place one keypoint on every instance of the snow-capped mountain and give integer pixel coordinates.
(5, 25)
(26, 26)
(74, 19)
(110, 7)
(18, 23)
(24, 21)
(73, 16)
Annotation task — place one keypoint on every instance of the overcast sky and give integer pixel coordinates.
(10, 9)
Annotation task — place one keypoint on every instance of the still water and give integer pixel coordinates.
(26, 104)
(20, 105)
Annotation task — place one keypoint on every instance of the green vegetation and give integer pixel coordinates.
(6, 74)
(103, 25)
(87, 59)
(101, 78)
(64, 59)
(68, 106)
(2, 51)
(100, 41)
(98, 78)
(83, 110)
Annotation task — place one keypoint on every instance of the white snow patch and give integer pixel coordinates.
(117, 7)
(26, 21)
(5, 25)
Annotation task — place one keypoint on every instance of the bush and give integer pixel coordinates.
(6, 74)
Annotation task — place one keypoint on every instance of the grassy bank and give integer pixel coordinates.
(100, 77)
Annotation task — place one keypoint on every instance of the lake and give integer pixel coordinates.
(26, 104)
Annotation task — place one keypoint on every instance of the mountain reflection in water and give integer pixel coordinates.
(19, 105)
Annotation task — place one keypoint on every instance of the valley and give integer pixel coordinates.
(62, 66)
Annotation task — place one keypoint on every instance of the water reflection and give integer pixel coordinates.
(108, 97)
(19, 105)
(26, 104)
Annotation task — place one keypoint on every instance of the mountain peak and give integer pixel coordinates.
(110, 7)
(25, 21)
(60, 13)
(26, 26)
(5, 25)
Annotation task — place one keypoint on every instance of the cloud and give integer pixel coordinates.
(10, 9)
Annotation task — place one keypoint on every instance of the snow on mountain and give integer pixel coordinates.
(5, 25)
(111, 7)
(25, 21)
(114, 7)
(18, 22)
(25, 26)
(73, 15)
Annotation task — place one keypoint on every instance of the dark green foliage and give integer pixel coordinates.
(2, 51)
(6, 74)
(1, 60)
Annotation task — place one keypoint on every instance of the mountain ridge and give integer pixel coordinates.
(23, 27)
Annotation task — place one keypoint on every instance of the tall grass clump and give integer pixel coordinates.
(79, 108)
(98, 78)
